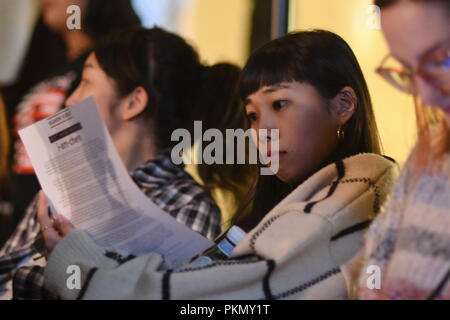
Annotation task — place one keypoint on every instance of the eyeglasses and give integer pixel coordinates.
(434, 68)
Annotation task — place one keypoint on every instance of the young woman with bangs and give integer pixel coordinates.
(307, 219)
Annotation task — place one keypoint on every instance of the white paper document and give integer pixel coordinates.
(84, 179)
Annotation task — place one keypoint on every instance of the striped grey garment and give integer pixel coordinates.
(166, 184)
(301, 249)
(410, 241)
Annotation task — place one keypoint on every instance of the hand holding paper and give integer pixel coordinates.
(85, 180)
(53, 229)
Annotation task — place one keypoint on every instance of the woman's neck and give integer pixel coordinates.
(135, 145)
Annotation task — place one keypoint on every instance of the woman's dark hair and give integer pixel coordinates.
(102, 19)
(180, 90)
(325, 61)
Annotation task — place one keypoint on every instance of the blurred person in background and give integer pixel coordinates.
(45, 55)
(409, 242)
(48, 95)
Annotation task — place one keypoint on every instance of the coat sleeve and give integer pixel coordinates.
(304, 269)
(104, 274)
(298, 251)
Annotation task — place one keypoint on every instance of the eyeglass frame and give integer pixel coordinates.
(419, 71)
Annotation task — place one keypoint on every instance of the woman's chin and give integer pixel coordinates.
(283, 176)
(288, 177)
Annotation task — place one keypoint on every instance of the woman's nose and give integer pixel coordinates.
(72, 99)
(267, 122)
(268, 131)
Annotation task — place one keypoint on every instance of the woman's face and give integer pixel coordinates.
(307, 128)
(413, 29)
(55, 13)
(96, 83)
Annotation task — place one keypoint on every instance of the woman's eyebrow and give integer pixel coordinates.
(247, 102)
(88, 65)
(437, 46)
(275, 87)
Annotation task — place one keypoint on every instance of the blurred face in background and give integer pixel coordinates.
(418, 31)
(55, 13)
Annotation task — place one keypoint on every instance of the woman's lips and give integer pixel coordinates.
(281, 154)
(269, 153)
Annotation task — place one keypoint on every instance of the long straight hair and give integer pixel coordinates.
(325, 61)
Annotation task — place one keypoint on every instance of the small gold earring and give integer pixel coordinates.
(340, 134)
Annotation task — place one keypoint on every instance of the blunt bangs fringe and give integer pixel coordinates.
(267, 68)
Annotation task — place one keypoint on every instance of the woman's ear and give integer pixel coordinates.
(344, 104)
(136, 103)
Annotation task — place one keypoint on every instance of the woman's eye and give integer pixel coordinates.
(251, 116)
(277, 105)
(438, 64)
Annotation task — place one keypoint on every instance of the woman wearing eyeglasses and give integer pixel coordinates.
(407, 253)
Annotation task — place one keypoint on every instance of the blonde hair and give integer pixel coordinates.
(433, 142)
